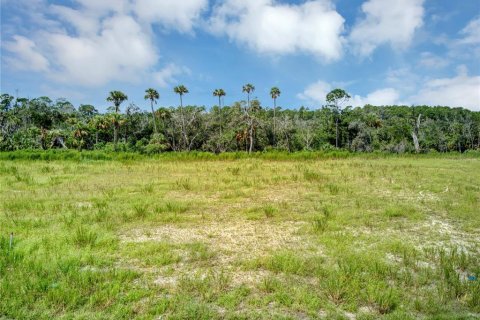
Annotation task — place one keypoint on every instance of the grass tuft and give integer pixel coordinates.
(83, 237)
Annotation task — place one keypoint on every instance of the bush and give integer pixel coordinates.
(157, 144)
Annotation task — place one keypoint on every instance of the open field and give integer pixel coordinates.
(356, 238)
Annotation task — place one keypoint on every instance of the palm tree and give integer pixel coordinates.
(98, 122)
(248, 88)
(275, 93)
(79, 134)
(219, 93)
(152, 95)
(181, 90)
(117, 97)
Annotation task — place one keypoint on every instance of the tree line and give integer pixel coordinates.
(246, 125)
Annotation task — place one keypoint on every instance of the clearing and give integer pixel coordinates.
(358, 238)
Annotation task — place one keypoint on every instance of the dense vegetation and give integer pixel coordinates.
(41, 123)
(368, 237)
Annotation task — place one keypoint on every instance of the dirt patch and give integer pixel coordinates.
(230, 240)
(463, 240)
(164, 281)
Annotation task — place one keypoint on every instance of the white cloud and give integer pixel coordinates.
(105, 6)
(316, 92)
(432, 61)
(387, 22)
(467, 45)
(167, 75)
(85, 22)
(119, 51)
(181, 15)
(460, 91)
(267, 26)
(471, 33)
(100, 41)
(405, 79)
(25, 55)
(382, 97)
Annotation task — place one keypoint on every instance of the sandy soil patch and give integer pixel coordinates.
(230, 240)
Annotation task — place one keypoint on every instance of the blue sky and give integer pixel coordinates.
(380, 51)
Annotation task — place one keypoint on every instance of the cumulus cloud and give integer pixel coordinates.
(167, 75)
(104, 6)
(316, 92)
(266, 26)
(120, 51)
(85, 22)
(459, 91)
(386, 22)
(471, 33)
(180, 15)
(101, 41)
(467, 44)
(382, 97)
(432, 61)
(25, 55)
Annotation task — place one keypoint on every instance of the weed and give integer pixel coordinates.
(235, 171)
(319, 223)
(84, 237)
(336, 287)
(148, 188)
(184, 184)
(269, 211)
(333, 188)
(140, 211)
(198, 251)
(385, 300)
(311, 176)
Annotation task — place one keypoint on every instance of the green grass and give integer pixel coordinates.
(271, 236)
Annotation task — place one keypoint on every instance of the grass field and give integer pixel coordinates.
(355, 238)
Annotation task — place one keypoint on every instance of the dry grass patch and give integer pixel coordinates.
(230, 240)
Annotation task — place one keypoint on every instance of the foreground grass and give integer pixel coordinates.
(393, 238)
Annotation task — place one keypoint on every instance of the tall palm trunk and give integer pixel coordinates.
(274, 122)
(154, 119)
(116, 128)
(221, 121)
(250, 131)
(115, 134)
(184, 131)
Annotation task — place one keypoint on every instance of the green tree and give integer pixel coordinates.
(274, 93)
(336, 98)
(248, 89)
(87, 111)
(117, 97)
(99, 123)
(152, 95)
(181, 90)
(80, 134)
(219, 93)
